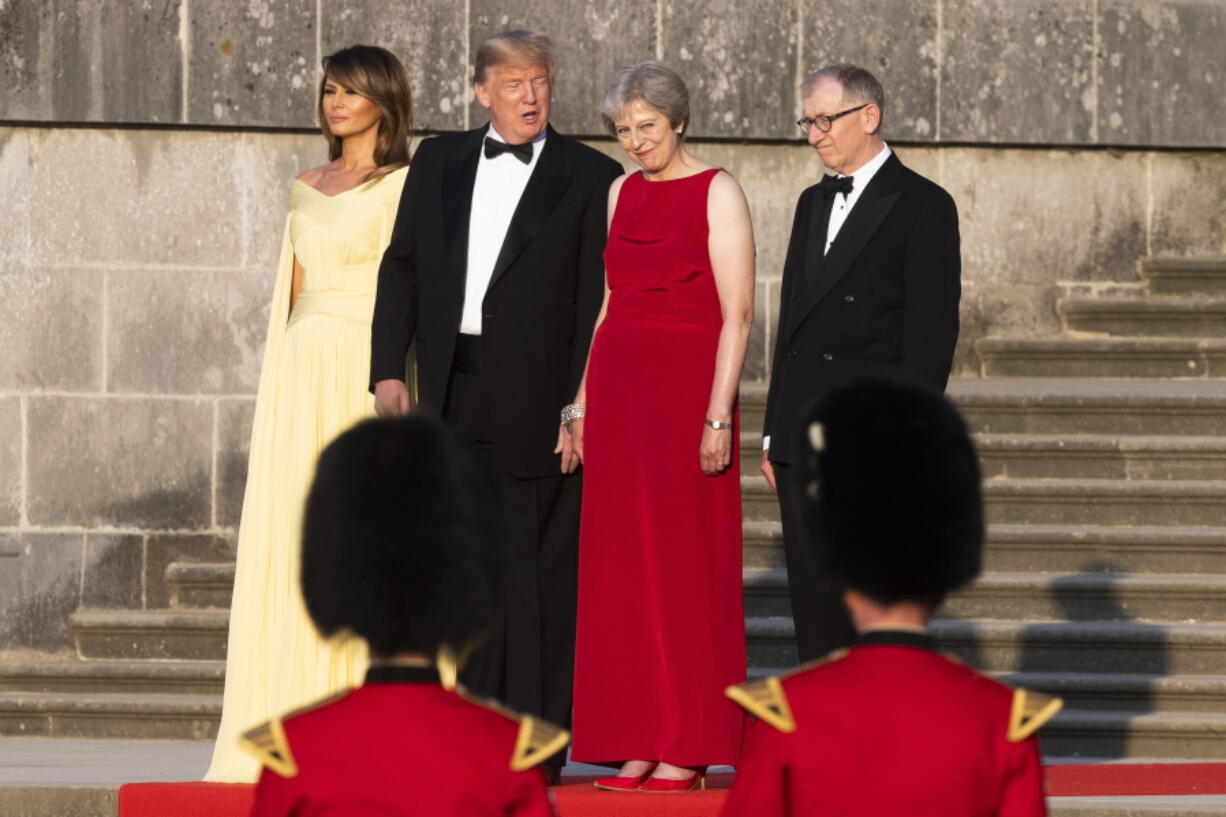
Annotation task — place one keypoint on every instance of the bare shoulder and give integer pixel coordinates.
(615, 190)
(726, 200)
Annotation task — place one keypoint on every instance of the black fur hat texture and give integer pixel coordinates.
(403, 538)
(892, 485)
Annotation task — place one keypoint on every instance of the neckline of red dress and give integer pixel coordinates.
(643, 176)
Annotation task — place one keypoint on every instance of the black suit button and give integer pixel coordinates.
(792, 353)
(827, 356)
(488, 316)
(793, 297)
(849, 298)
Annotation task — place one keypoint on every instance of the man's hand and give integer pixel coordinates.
(391, 398)
(566, 447)
(768, 471)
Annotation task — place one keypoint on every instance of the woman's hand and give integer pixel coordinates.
(576, 438)
(715, 452)
(566, 447)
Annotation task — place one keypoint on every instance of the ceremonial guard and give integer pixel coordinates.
(404, 545)
(890, 726)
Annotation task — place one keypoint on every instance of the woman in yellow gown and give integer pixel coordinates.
(313, 386)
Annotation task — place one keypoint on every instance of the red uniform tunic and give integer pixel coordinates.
(402, 746)
(889, 728)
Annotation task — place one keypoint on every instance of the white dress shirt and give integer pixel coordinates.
(497, 190)
(842, 208)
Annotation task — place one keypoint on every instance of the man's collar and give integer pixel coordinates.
(864, 174)
(497, 137)
(896, 636)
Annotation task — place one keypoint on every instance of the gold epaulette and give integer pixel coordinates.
(267, 742)
(765, 699)
(538, 740)
(1030, 711)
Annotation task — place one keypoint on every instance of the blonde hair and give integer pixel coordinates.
(522, 45)
(376, 74)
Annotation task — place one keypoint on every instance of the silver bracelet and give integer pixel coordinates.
(572, 412)
(717, 425)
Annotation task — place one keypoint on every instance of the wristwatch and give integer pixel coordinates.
(717, 425)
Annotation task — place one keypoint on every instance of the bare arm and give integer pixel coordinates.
(732, 260)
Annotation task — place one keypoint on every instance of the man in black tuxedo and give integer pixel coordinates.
(495, 272)
(871, 283)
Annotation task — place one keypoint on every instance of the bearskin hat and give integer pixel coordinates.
(404, 540)
(892, 490)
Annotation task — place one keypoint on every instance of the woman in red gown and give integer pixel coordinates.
(661, 627)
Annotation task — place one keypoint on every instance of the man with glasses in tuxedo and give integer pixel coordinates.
(871, 283)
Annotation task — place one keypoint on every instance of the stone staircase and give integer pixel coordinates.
(1104, 453)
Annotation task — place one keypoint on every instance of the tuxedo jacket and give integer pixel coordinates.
(885, 296)
(541, 303)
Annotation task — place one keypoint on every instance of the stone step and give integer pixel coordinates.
(63, 675)
(1105, 502)
(1140, 549)
(763, 545)
(759, 503)
(1046, 597)
(1046, 646)
(200, 586)
(1163, 316)
(1102, 357)
(1099, 456)
(110, 715)
(1165, 735)
(1185, 276)
(1128, 693)
(176, 634)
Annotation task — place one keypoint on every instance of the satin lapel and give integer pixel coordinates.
(458, 177)
(545, 188)
(816, 246)
(872, 208)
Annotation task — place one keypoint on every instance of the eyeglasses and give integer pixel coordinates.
(825, 123)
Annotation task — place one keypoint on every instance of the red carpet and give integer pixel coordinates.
(577, 798)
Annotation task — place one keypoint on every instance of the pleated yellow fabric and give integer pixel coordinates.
(313, 385)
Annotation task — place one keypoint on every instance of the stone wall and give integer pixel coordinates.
(146, 149)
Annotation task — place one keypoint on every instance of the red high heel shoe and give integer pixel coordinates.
(661, 785)
(624, 783)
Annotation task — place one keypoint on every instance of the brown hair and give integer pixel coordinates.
(521, 45)
(376, 74)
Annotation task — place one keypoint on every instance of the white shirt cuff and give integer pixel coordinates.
(766, 443)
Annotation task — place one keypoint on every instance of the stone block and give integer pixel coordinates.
(741, 73)
(1017, 71)
(15, 170)
(85, 61)
(11, 440)
(269, 163)
(120, 462)
(39, 589)
(114, 568)
(254, 63)
(1037, 217)
(1161, 75)
(51, 328)
(233, 439)
(896, 41)
(428, 36)
(1188, 191)
(757, 355)
(592, 41)
(169, 335)
(164, 549)
(1013, 311)
(134, 197)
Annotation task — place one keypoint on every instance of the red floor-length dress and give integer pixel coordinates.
(661, 628)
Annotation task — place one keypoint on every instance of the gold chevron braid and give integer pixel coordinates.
(765, 699)
(268, 743)
(1030, 711)
(537, 741)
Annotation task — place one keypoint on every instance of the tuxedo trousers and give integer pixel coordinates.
(821, 619)
(527, 662)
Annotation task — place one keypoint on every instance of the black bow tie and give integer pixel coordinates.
(494, 148)
(830, 185)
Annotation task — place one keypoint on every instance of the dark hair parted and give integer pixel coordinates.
(522, 46)
(859, 85)
(893, 497)
(403, 538)
(376, 74)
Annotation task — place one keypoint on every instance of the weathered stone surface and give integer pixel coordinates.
(51, 328)
(592, 41)
(15, 170)
(10, 462)
(171, 333)
(123, 462)
(114, 564)
(757, 359)
(254, 63)
(426, 35)
(268, 167)
(1189, 207)
(83, 61)
(1017, 71)
(164, 549)
(134, 197)
(40, 587)
(896, 41)
(233, 437)
(1162, 72)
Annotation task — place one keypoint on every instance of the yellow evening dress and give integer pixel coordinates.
(313, 385)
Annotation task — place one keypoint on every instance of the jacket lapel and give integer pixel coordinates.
(458, 177)
(545, 188)
(874, 205)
